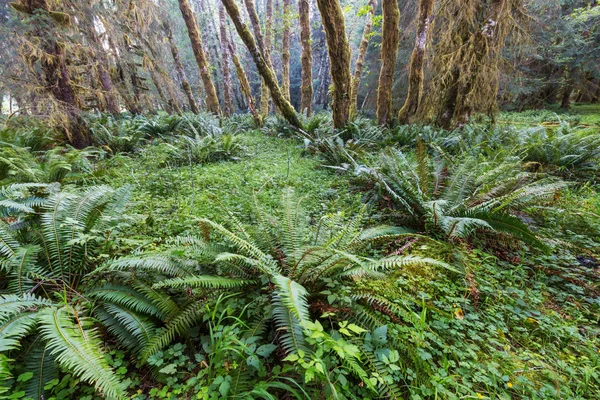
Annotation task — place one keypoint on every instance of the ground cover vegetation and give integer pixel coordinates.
(220, 199)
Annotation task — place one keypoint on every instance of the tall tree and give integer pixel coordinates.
(227, 89)
(261, 42)
(244, 83)
(264, 95)
(285, 49)
(307, 85)
(179, 69)
(46, 25)
(264, 69)
(389, 53)
(338, 47)
(470, 39)
(212, 101)
(417, 63)
(88, 27)
(362, 53)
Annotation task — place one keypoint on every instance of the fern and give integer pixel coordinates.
(78, 348)
(185, 319)
(208, 282)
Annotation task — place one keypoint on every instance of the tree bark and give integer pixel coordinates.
(264, 94)
(567, 90)
(362, 53)
(57, 75)
(108, 90)
(245, 85)
(307, 85)
(212, 101)
(263, 67)
(338, 47)
(285, 50)
(389, 53)
(417, 63)
(180, 70)
(260, 41)
(228, 92)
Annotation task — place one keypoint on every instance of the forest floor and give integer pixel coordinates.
(514, 323)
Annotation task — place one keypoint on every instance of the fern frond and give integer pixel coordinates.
(43, 366)
(126, 296)
(242, 244)
(293, 296)
(185, 319)
(137, 326)
(78, 348)
(207, 282)
(12, 303)
(151, 262)
(289, 327)
(13, 328)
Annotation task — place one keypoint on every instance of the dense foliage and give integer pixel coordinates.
(187, 257)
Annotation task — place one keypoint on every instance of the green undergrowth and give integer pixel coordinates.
(236, 262)
(169, 197)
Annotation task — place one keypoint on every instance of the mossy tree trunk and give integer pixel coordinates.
(262, 47)
(307, 85)
(56, 72)
(338, 47)
(179, 69)
(265, 70)
(227, 88)
(417, 63)
(108, 90)
(264, 94)
(362, 53)
(244, 84)
(212, 101)
(285, 49)
(389, 53)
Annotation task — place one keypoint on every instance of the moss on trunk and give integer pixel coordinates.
(389, 53)
(266, 72)
(212, 101)
(360, 60)
(285, 50)
(417, 63)
(307, 85)
(332, 16)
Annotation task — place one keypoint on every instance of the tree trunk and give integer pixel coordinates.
(245, 85)
(264, 94)
(362, 53)
(57, 76)
(244, 82)
(228, 92)
(389, 53)
(460, 98)
(417, 63)
(285, 50)
(307, 85)
(179, 69)
(158, 85)
(332, 16)
(260, 41)
(212, 101)
(108, 90)
(567, 90)
(264, 69)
